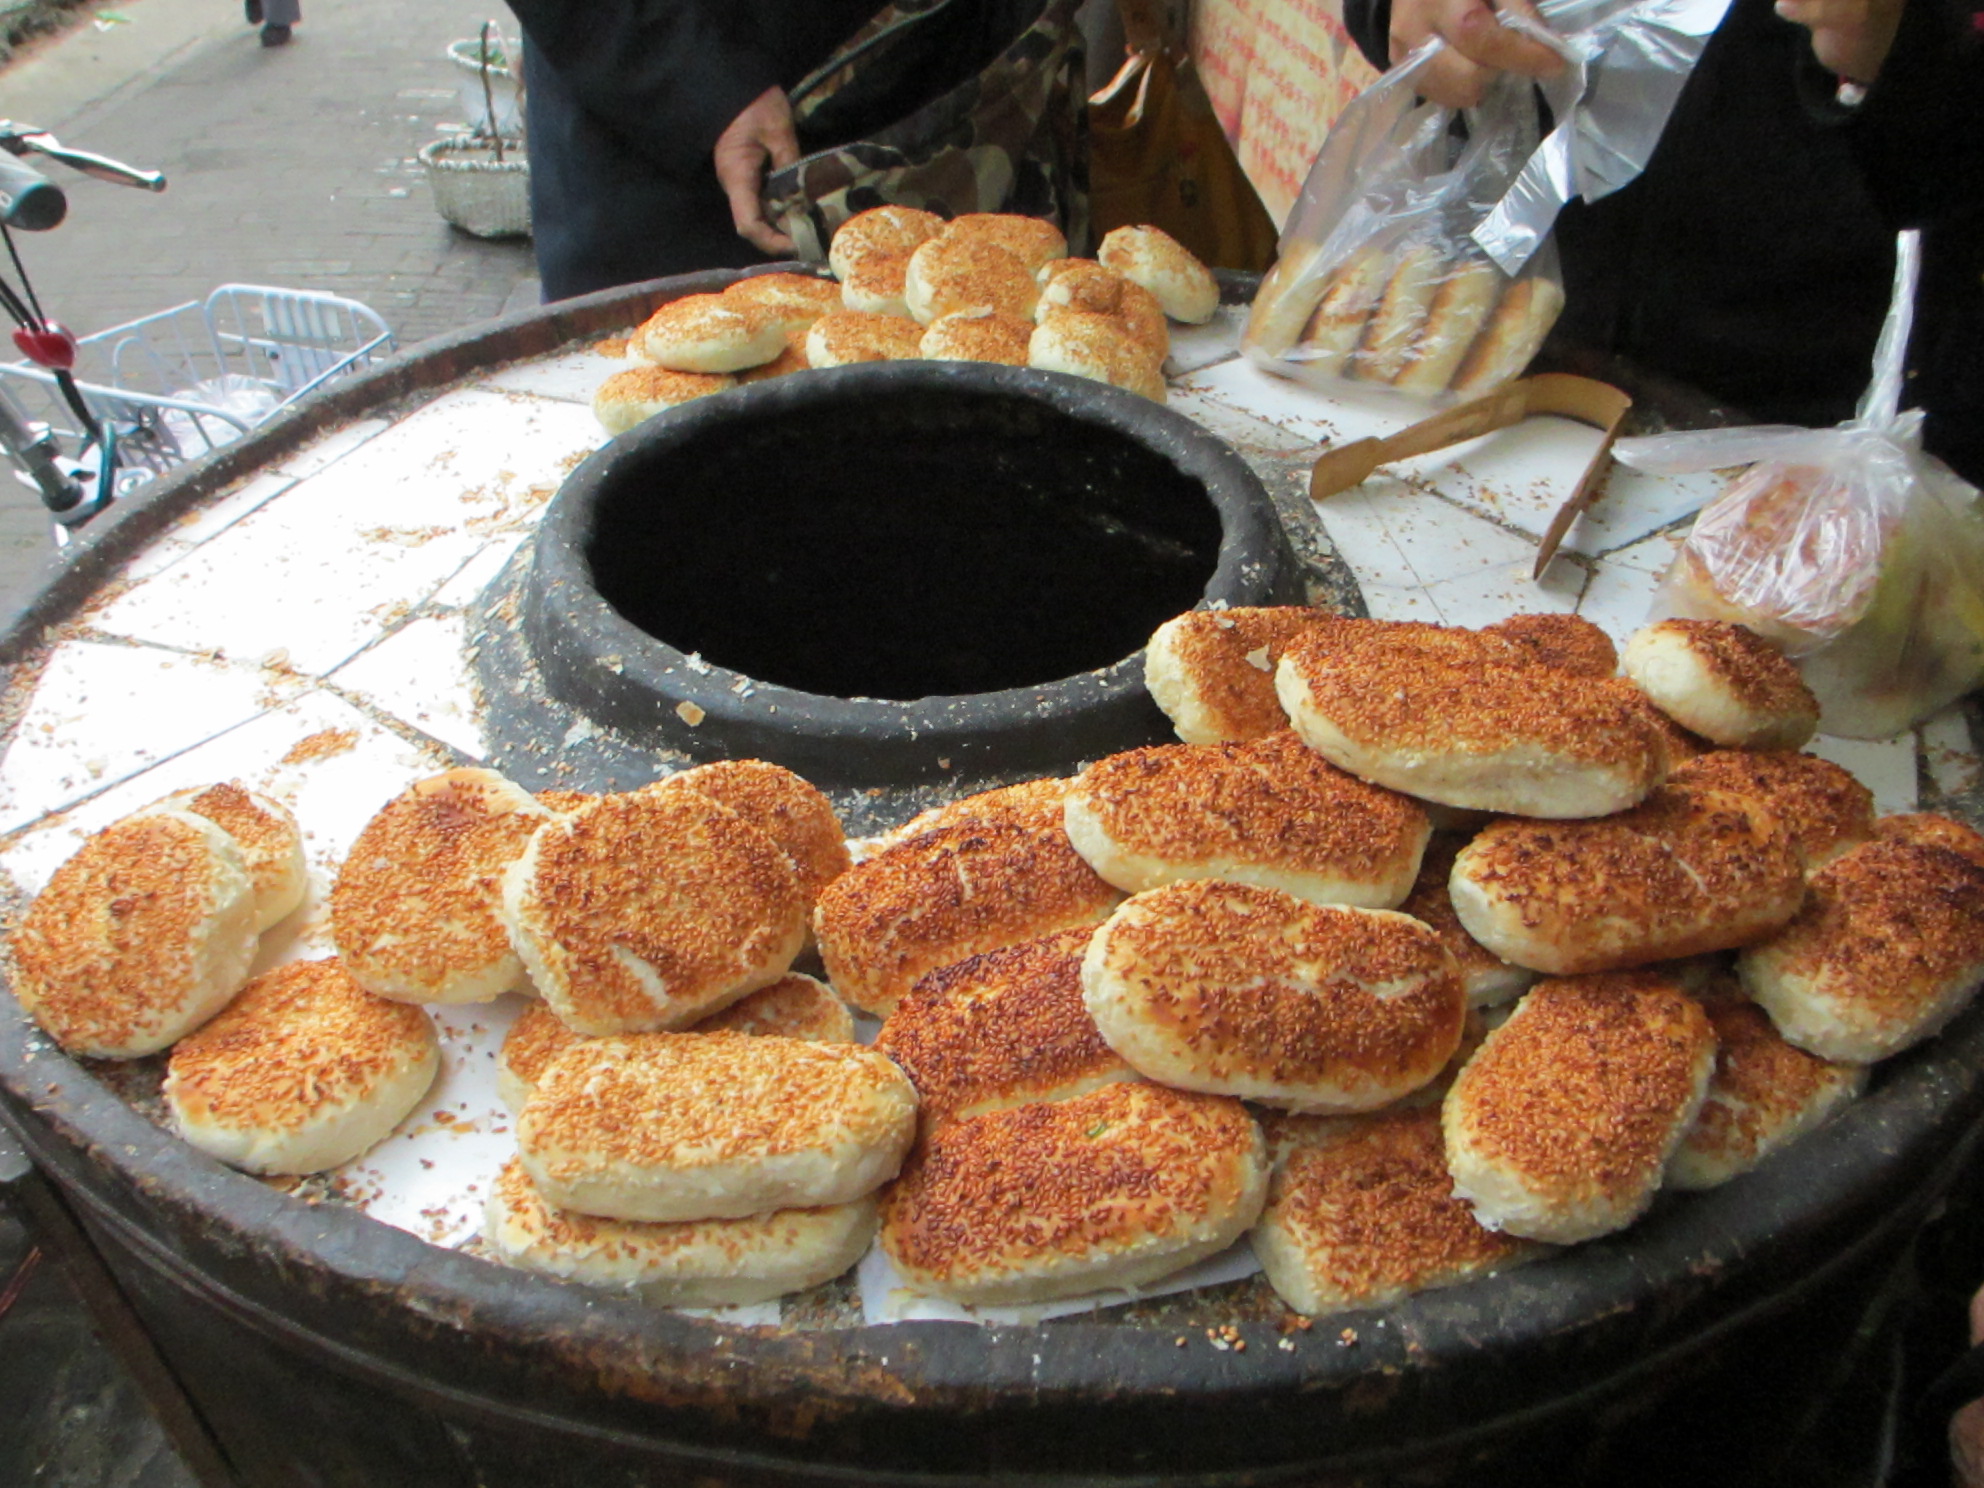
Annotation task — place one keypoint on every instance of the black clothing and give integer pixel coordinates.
(1754, 257)
(627, 99)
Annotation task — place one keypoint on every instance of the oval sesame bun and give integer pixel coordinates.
(880, 230)
(1468, 720)
(1888, 948)
(1164, 266)
(977, 336)
(691, 1126)
(1116, 1188)
(414, 911)
(1462, 302)
(1273, 812)
(784, 806)
(1096, 289)
(1570, 643)
(1689, 870)
(1001, 1029)
(301, 1073)
(1485, 978)
(708, 333)
(1400, 314)
(1034, 804)
(950, 274)
(1349, 295)
(1211, 672)
(842, 338)
(637, 394)
(1560, 1127)
(537, 1037)
(1820, 804)
(795, 1006)
(1098, 347)
(1361, 1213)
(795, 301)
(1237, 990)
(877, 285)
(1289, 294)
(1511, 336)
(694, 1263)
(139, 938)
(652, 910)
(269, 840)
(1034, 241)
(792, 359)
(942, 895)
(1764, 1094)
(1724, 682)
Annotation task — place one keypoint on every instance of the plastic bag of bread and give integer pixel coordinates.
(1849, 547)
(1418, 254)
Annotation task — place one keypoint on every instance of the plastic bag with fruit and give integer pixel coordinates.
(1856, 552)
(1418, 254)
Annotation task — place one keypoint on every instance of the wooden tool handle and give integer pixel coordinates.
(1340, 469)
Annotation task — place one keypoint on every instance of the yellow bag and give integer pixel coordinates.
(1157, 156)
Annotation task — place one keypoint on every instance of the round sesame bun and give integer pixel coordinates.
(1001, 1029)
(950, 274)
(1888, 948)
(977, 336)
(1098, 347)
(784, 806)
(792, 359)
(1689, 870)
(1361, 1213)
(695, 1263)
(795, 301)
(301, 1073)
(942, 895)
(880, 230)
(1468, 720)
(1485, 978)
(270, 842)
(1164, 266)
(139, 938)
(1096, 289)
(534, 1040)
(1116, 1188)
(794, 1006)
(1570, 643)
(637, 394)
(841, 338)
(1237, 990)
(713, 1125)
(414, 912)
(1211, 672)
(1273, 812)
(1929, 829)
(1561, 1125)
(1033, 804)
(1820, 804)
(652, 910)
(1764, 1094)
(709, 333)
(875, 285)
(1034, 241)
(1724, 682)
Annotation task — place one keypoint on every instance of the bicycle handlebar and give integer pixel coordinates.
(19, 139)
(28, 199)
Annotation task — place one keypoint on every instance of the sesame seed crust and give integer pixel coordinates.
(652, 910)
(1570, 643)
(888, 230)
(1212, 671)
(709, 333)
(1888, 948)
(842, 337)
(1057, 1198)
(1485, 977)
(1723, 681)
(272, 1082)
(1034, 804)
(1361, 1213)
(1687, 871)
(1929, 829)
(267, 836)
(676, 1126)
(1560, 1126)
(1000, 1029)
(967, 272)
(1821, 805)
(1035, 241)
(784, 806)
(414, 911)
(1272, 812)
(139, 937)
(977, 336)
(1238, 990)
(946, 894)
(794, 1006)
(537, 1037)
(696, 1263)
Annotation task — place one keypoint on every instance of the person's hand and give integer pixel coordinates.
(1967, 1426)
(1849, 37)
(1478, 45)
(761, 135)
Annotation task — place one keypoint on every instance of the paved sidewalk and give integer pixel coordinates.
(291, 166)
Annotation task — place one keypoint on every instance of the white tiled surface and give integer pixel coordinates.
(572, 377)
(416, 674)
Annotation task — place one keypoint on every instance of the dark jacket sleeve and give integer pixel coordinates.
(668, 76)
(1369, 23)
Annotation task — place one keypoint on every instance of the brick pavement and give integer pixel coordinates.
(290, 166)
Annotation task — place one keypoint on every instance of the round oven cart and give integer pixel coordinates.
(369, 587)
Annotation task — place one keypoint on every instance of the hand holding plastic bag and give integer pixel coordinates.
(1853, 550)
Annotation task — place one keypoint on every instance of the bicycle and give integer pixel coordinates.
(163, 389)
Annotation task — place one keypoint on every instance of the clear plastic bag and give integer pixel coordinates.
(1859, 555)
(1417, 256)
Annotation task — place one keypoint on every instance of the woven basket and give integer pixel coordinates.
(503, 95)
(474, 192)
